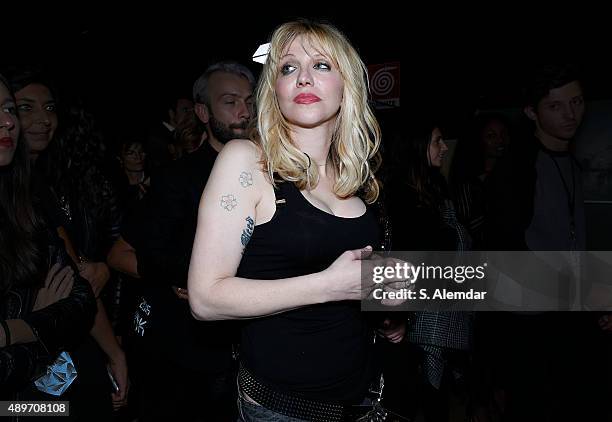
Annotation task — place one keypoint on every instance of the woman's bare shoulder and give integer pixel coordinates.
(242, 149)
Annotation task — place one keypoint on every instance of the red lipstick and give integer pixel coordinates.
(306, 99)
(7, 142)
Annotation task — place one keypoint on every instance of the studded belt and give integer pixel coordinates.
(295, 407)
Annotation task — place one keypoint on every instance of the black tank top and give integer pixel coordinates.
(322, 352)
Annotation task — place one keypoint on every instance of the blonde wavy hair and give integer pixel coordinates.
(356, 137)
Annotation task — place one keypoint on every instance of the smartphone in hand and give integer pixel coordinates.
(112, 379)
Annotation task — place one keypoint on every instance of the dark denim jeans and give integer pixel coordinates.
(249, 412)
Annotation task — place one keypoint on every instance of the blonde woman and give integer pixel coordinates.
(283, 224)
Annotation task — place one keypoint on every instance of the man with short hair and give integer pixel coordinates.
(537, 200)
(223, 98)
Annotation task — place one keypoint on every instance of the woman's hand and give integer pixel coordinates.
(390, 280)
(96, 273)
(180, 293)
(352, 277)
(605, 322)
(394, 331)
(119, 369)
(344, 275)
(58, 285)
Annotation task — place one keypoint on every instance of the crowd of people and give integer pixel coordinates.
(208, 267)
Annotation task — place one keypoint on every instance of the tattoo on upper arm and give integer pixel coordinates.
(228, 202)
(247, 232)
(246, 179)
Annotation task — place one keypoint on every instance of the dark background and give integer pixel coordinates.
(123, 65)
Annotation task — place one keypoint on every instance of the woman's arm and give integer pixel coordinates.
(18, 333)
(58, 285)
(37, 338)
(20, 363)
(108, 216)
(102, 332)
(66, 322)
(227, 213)
(96, 273)
(122, 258)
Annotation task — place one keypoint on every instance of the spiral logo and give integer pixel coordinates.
(383, 81)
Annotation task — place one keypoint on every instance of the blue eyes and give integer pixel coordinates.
(288, 68)
(322, 66)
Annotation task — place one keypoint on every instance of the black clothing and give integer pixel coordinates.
(322, 352)
(58, 327)
(416, 226)
(172, 217)
(187, 353)
(514, 191)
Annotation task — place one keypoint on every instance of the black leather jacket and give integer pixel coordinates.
(58, 327)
